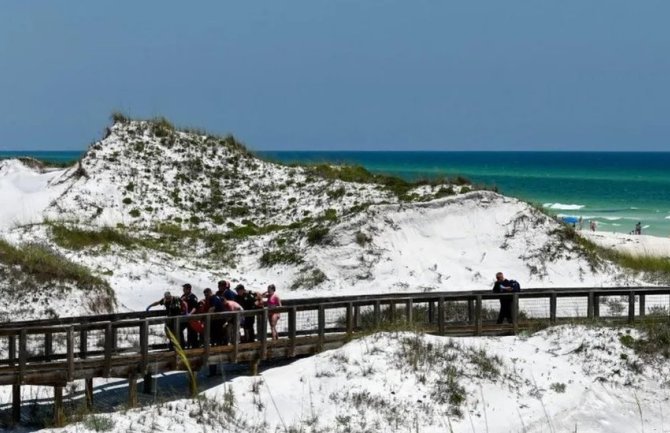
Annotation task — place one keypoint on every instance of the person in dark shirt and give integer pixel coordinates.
(503, 286)
(224, 291)
(215, 304)
(173, 308)
(249, 301)
(190, 302)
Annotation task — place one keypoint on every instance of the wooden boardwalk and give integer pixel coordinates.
(133, 345)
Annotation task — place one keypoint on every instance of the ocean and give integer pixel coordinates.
(615, 189)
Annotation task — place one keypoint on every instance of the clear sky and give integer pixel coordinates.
(342, 74)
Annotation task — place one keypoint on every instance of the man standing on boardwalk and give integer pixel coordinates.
(504, 286)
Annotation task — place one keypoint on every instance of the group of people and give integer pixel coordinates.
(224, 299)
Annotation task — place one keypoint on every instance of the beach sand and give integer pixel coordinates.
(640, 245)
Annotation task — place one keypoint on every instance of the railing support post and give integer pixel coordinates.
(515, 313)
(589, 306)
(350, 319)
(357, 317)
(643, 307)
(552, 307)
(23, 353)
(70, 356)
(409, 311)
(292, 330)
(471, 311)
(132, 390)
(440, 316)
(596, 305)
(376, 314)
(431, 312)
(478, 315)
(149, 384)
(631, 307)
(392, 311)
(16, 403)
(263, 334)
(236, 335)
(322, 326)
(89, 392)
(59, 414)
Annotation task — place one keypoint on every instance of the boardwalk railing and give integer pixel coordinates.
(131, 345)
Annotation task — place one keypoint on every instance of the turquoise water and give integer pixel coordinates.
(52, 156)
(615, 189)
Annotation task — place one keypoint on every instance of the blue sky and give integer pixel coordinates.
(338, 74)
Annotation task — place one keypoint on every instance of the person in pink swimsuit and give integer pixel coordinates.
(272, 302)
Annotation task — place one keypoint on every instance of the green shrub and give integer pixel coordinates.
(127, 200)
(273, 257)
(46, 265)
(134, 213)
(74, 238)
(317, 235)
(336, 193)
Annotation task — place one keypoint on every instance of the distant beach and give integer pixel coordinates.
(614, 189)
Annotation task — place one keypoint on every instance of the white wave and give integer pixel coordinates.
(646, 227)
(613, 218)
(668, 217)
(617, 225)
(562, 206)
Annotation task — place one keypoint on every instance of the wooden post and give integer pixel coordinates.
(23, 354)
(440, 315)
(357, 317)
(376, 314)
(552, 307)
(70, 355)
(263, 334)
(431, 312)
(59, 413)
(48, 346)
(392, 311)
(350, 319)
(12, 350)
(409, 307)
(206, 339)
(83, 343)
(16, 403)
(148, 384)
(478, 315)
(89, 393)
(109, 346)
(596, 305)
(515, 313)
(631, 307)
(322, 326)
(589, 306)
(292, 329)
(236, 335)
(643, 308)
(253, 367)
(471, 311)
(144, 346)
(132, 390)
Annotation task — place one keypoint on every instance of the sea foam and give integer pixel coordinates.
(563, 206)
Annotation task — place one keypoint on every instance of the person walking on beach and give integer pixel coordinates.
(503, 285)
(638, 228)
(272, 302)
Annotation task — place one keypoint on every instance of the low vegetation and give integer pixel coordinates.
(45, 265)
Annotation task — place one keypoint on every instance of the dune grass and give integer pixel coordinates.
(45, 265)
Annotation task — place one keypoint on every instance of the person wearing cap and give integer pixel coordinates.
(249, 301)
(173, 308)
(190, 301)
